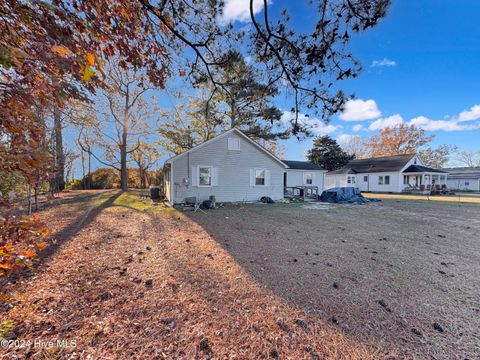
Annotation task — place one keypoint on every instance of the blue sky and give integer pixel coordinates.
(420, 62)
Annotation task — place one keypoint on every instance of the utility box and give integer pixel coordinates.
(154, 192)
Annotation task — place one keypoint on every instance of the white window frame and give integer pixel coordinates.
(264, 176)
(233, 144)
(365, 178)
(385, 180)
(380, 180)
(210, 173)
(305, 176)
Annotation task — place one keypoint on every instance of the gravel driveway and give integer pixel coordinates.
(402, 274)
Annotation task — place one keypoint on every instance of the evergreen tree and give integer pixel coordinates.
(328, 154)
(244, 101)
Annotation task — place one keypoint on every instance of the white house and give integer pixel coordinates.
(233, 168)
(386, 174)
(464, 178)
(304, 175)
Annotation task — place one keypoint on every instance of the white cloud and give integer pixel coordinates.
(358, 127)
(387, 122)
(445, 125)
(384, 62)
(239, 10)
(469, 115)
(359, 110)
(314, 125)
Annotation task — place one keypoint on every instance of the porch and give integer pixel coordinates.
(425, 182)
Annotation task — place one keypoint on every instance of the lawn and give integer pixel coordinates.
(400, 274)
(128, 279)
(125, 278)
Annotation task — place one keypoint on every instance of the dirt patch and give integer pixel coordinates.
(400, 274)
(137, 281)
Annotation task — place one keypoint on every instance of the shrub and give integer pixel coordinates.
(21, 237)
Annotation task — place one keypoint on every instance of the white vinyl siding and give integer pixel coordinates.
(230, 175)
(297, 177)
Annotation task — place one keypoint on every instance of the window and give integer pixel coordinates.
(384, 180)
(205, 176)
(365, 178)
(351, 180)
(260, 177)
(405, 179)
(467, 183)
(308, 179)
(233, 144)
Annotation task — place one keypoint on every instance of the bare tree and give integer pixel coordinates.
(469, 158)
(122, 116)
(145, 157)
(354, 145)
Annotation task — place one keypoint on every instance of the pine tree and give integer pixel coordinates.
(328, 154)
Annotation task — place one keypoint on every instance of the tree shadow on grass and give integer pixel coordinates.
(81, 221)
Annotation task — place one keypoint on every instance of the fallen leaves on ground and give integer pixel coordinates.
(151, 283)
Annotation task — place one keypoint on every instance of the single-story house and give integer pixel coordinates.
(303, 176)
(234, 168)
(393, 174)
(464, 178)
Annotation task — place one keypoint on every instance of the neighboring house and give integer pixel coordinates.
(232, 167)
(304, 174)
(464, 178)
(386, 174)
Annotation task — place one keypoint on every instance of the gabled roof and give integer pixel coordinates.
(236, 131)
(377, 164)
(302, 165)
(421, 169)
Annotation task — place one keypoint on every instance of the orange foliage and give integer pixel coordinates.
(401, 139)
(20, 239)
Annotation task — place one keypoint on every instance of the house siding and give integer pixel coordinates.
(395, 186)
(461, 184)
(295, 177)
(233, 172)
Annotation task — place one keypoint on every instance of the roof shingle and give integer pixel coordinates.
(302, 165)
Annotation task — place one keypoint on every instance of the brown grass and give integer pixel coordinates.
(202, 303)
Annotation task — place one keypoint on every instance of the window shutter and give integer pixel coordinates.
(252, 177)
(194, 176)
(267, 177)
(214, 176)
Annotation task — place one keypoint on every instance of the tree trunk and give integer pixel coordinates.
(123, 163)
(59, 154)
(89, 175)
